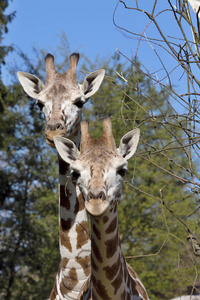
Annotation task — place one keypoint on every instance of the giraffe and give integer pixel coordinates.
(61, 100)
(99, 169)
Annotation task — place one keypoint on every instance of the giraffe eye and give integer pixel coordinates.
(75, 175)
(79, 103)
(40, 105)
(122, 172)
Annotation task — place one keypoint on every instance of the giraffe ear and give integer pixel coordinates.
(66, 149)
(31, 84)
(92, 83)
(128, 144)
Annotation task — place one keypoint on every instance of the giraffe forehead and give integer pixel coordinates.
(61, 90)
(99, 160)
(97, 156)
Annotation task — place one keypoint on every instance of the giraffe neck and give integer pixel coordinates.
(74, 239)
(112, 277)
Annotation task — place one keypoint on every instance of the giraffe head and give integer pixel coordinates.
(99, 167)
(62, 98)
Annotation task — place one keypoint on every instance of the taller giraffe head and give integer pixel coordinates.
(99, 167)
(62, 98)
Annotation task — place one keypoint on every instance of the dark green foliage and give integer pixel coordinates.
(28, 202)
(29, 251)
(4, 21)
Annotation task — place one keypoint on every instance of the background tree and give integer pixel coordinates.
(170, 60)
(29, 240)
(28, 202)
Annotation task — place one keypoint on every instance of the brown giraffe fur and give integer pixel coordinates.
(99, 169)
(61, 100)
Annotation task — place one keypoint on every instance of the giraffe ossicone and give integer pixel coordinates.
(99, 168)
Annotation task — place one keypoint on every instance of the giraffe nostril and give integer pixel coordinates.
(102, 196)
(90, 196)
(59, 126)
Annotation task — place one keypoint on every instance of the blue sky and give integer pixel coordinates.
(87, 24)
(89, 28)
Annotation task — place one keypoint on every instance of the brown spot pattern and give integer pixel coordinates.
(112, 271)
(100, 289)
(63, 167)
(70, 281)
(63, 289)
(79, 204)
(96, 232)
(105, 219)
(112, 226)
(64, 197)
(85, 263)
(58, 88)
(111, 246)
(63, 263)
(123, 295)
(96, 221)
(66, 224)
(82, 234)
(94, 266)
(118, 280)
(115, 208)
(64, 238)
(96, 251)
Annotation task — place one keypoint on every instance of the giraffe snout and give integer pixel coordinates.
(99, 195)
(96, 203)
(53, 126)
(52, 129)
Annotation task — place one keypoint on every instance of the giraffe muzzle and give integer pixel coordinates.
(96, 205)
(54, 129)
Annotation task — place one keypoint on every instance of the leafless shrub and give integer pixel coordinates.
(167, 36)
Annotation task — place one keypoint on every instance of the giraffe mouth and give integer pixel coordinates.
(50, 143)
(50, 135)
(96, 207)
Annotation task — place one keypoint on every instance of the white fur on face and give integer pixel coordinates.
(72, 116)
(84, 178)
(113, 179)
(47, 109)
